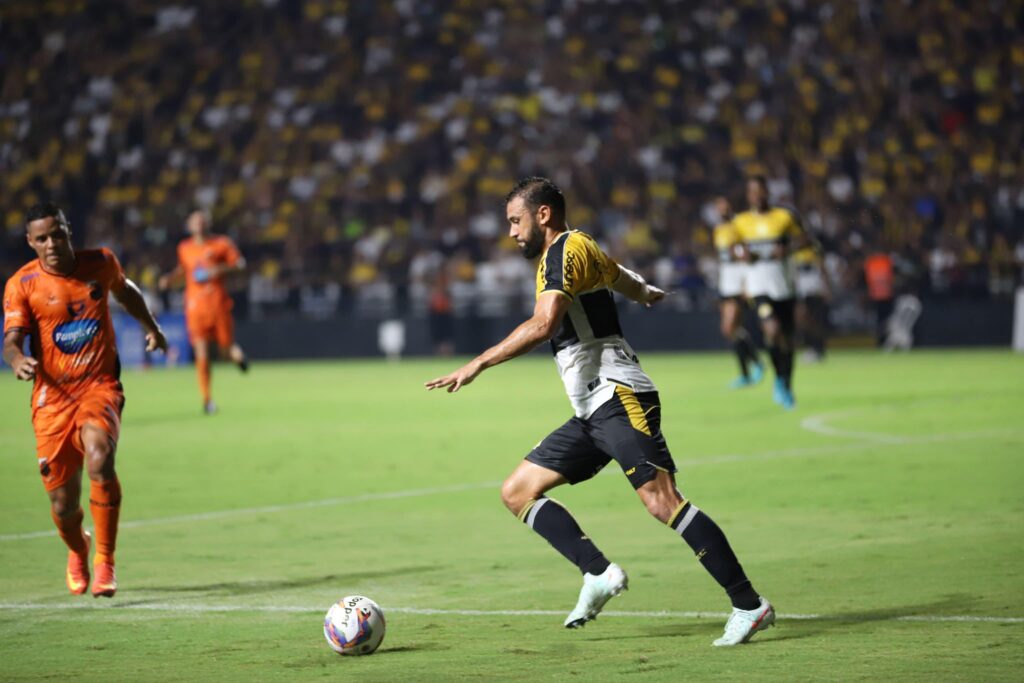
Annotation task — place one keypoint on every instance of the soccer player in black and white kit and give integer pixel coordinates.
(617, 412)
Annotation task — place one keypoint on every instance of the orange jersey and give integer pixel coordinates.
(204, 291)
(68, 318)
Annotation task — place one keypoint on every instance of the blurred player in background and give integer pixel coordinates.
(732, 271)
(205, 259)
(618, 412)
(813, 292)
(60, 300)
(771, 234)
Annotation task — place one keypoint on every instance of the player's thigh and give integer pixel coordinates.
(570, 452)
(628, 429)
(58, 457)
(201, 328)
(768, 315)
(98, 422)
(730, 309)
(224, 331)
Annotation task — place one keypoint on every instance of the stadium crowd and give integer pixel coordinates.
(359, 151)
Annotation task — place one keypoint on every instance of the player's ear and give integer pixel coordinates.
(544, 215)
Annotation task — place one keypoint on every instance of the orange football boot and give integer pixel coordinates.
(105, 583)
(77, 574)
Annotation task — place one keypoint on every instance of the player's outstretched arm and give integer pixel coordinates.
(130, 297)
(168, 280)
(542, 326)
(632, 286)
(24, 366)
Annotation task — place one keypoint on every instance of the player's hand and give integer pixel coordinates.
(653, 295)
(156, 340)
(25, 367)
(456, 380)
(164, 283)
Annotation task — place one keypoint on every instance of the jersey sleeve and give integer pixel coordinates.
(577, 265)
(17, 312)
(113, 273)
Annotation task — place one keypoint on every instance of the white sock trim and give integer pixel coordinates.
(533, 511)
(687, 518)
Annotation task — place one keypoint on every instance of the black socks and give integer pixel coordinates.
(744, 349)
(712, 549)
(548, 518)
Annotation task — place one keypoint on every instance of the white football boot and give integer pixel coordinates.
(743, 624)
(597, 590)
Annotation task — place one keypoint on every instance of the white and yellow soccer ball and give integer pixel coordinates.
(354, 626)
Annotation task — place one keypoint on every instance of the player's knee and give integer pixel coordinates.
(515, 495)
(99, 460)
(63, 506)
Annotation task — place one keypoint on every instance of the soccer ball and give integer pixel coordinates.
(354, 626)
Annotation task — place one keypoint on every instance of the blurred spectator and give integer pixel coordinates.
(352, 145)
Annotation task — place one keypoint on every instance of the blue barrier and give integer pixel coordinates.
(131, 342)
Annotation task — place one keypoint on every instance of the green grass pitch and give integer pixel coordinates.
(884, 518)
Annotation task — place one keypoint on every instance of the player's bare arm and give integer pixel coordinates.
(130, 297)
(24, 367)
(172, 278)
(547, 318)
(633, 286)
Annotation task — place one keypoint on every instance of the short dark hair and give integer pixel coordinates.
(538, 191)
(760, 180)
(46, 210)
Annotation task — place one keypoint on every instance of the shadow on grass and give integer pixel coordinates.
(242, 588)
(795, 629)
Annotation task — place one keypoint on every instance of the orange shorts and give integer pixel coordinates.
(58, 428)
(216, 325)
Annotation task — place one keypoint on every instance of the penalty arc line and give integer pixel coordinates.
(804, 451)
(421, 611)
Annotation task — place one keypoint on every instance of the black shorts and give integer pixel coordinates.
(781, 310)
(627, 429)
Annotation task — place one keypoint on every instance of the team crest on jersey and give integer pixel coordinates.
(74, 335)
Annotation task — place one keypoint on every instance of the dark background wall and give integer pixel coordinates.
(949, 323)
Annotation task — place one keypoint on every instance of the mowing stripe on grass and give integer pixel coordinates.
(799, 452)
(423, 611)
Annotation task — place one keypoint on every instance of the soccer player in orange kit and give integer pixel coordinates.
(204, 259)
(60, 300)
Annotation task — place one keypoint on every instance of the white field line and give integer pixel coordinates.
(819, 424)
(865, 444)
(188, 608)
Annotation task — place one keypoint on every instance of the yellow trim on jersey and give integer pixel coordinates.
(725, 236)
(761, 231)
(574, 264)
(634, 410)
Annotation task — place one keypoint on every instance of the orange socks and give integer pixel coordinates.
(203, 370)
(105, 505)
(70, 530)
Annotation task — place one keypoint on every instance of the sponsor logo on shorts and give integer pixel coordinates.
(75, 335)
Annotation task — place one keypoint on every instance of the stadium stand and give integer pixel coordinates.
(356, 149)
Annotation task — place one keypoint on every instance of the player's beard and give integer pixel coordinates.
(531, 248)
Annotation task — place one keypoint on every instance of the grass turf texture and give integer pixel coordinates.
(910, 506)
